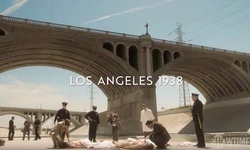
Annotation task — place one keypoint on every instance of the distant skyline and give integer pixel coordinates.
(221, 24)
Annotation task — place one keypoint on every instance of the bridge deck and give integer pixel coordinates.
(102, 32)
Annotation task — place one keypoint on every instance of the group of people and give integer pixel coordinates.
(26, 130)
(155, 134)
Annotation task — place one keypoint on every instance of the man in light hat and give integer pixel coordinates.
(94, 121)
(62, 114)
(197, 113)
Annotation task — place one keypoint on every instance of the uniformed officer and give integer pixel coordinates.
(93, 118)
(197, 113)
(62, 114)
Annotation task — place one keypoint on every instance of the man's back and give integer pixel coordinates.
(11, 124)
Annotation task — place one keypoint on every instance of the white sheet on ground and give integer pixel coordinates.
(104, 144)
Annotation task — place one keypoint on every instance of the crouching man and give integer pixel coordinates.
(159, 135)
(60, 130)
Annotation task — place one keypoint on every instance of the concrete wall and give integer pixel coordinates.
(128, 107)
(227, 116)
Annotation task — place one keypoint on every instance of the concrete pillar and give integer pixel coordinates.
(128, 107)
(148, 61)
(145, 59)
(82, 118)
(39, 115)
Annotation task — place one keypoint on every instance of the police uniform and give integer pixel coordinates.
(62, 114)
(197, 113)
(93, 118)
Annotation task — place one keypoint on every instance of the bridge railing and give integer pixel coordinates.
(198, 46)
(68, 27)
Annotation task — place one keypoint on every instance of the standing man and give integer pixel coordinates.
(93, 118)
(159, 135)
(37, 124)
(26, 129)
(197, 113)
(62, 114)
(11, 128)
(146, 114)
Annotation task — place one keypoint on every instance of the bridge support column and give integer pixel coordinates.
(128, 107)
(82, 119)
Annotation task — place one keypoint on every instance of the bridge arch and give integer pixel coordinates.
(177, 54)
(17, 114)
(133, 56)
(108, 46)
(244, 66)
(14, 113)
(2, 32)
(214, 81)
(167, 56)
(157, 59)
(121, 51)
(67, 56)
(237, 63)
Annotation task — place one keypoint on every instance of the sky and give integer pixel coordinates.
(215, 23)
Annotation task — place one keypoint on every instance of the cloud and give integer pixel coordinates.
(29, 95)
(140, 8)
(18, 4)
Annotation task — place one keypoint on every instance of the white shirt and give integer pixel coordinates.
(145, 116)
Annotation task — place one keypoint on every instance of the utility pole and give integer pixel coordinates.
(91, 96)
(184, 95)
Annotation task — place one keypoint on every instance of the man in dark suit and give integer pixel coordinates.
(11, 128)
(197, 113)
(159, 135)
(62, 114)
(93, 118)
(37, 124)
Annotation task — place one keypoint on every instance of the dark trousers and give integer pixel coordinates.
(92, 132)
(161, 144)
(11, 134)
(115, 133)
(199, 133)
(24, 133)
(37, 136)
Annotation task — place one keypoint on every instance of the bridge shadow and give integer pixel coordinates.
(233, 118)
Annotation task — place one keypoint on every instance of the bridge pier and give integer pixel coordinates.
(128, 107)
